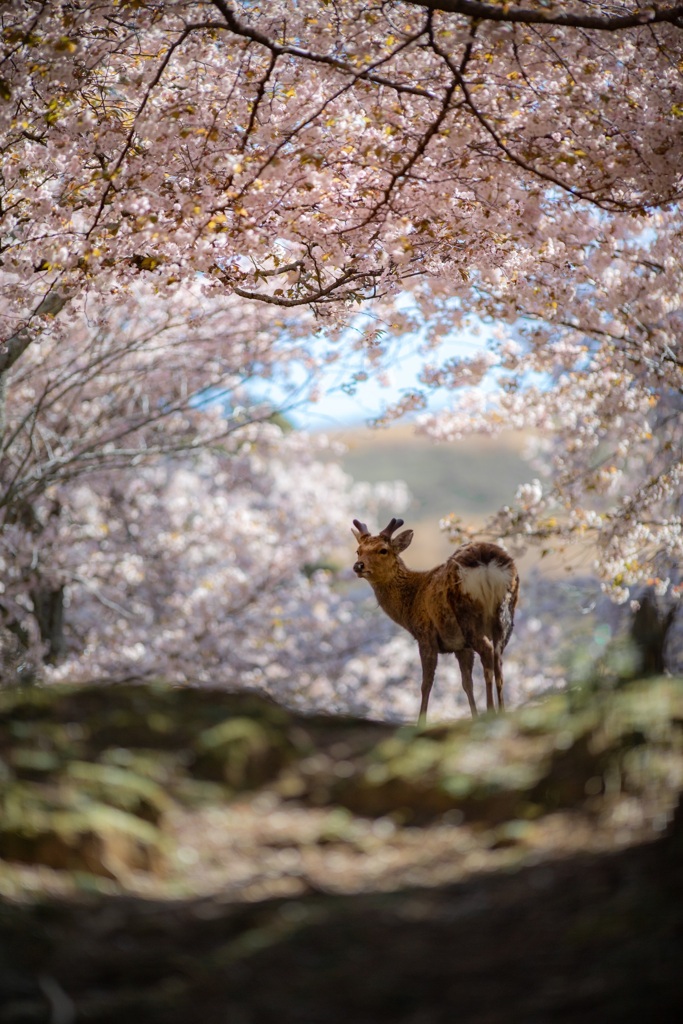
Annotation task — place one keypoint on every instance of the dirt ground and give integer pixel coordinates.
(178, 855)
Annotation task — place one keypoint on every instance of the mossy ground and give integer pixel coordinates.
(178, 854)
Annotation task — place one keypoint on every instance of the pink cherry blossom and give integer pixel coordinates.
(250, 176)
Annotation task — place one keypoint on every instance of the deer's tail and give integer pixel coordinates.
(488, 583)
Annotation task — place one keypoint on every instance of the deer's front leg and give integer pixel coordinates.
(429, 657)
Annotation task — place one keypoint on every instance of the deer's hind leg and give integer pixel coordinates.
(498, 673)
(486, 651)
(466, 663)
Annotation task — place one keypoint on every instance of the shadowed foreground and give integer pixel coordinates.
(190, 855)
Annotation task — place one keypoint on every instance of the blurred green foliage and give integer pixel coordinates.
(542, 813)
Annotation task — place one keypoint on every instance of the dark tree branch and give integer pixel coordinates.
(14, 347)
(543, 174)
(349, 277)
(239, 28)
(656, 14)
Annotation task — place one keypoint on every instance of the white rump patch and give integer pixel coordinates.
(487, 584)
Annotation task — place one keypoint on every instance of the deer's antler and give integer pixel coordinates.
(362, 528)
(388, 530)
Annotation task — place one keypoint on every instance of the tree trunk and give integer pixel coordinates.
(649, 630)
(48, 608)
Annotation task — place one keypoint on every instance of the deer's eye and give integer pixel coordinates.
(384, 551)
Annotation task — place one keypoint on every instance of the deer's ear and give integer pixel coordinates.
(357, 535)
(401, 542)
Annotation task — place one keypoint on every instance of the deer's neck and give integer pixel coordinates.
(397, 598)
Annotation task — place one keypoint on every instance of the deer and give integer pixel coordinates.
(465, 606)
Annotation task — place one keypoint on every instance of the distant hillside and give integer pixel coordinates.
(472, 478)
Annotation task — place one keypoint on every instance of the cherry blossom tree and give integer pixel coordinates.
(517, 165)
(156, 519)
(214, 568)
(115, 388)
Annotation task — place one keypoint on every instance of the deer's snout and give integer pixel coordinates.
(359, 568)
